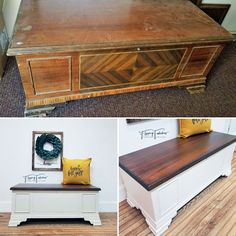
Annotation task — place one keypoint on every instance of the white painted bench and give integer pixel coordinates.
(161, 179)
(30, 201)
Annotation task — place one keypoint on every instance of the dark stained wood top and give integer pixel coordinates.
(154, 165)
(69, 25)
(54, 187)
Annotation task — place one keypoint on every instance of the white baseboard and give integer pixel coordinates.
(122, 193)
(105, 206)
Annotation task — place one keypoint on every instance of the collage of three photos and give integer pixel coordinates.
(118, 117)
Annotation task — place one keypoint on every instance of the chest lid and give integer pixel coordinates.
(70, 25)
(155, 165)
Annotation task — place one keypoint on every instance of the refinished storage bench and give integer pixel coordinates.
(160, 179)
(74, 49)
(31, 201)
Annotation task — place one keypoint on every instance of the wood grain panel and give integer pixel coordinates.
(42, 26)
(51, 75)
(155, 165)
(199, 60)
(126, 68)
(212, 212)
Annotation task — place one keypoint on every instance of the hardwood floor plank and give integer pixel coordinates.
(133, 224)
(61, 227)
(140, 228)
(225, 225)
(123, 205)
(129, 217)
(214, 215)
(199, 202)
(193, 218)
(126, 212)
(232, 231)
(145, 232)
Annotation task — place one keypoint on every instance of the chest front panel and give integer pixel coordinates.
(58, 77)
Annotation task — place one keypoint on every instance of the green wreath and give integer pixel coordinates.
(45, 154)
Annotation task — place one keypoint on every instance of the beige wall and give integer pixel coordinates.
(10, 10)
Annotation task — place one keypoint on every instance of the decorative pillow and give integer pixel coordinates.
(76, 171)
(188, 127)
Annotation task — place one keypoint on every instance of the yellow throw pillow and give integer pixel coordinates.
(76, 171)
(188, 127)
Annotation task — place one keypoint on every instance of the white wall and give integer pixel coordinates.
(10, 10)
(232, 127)
(130, 139)
(230, 20)
(96, 138)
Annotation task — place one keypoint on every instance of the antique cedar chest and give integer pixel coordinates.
(73, 49)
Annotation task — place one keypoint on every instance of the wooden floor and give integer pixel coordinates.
(60, 227)
(211, 213)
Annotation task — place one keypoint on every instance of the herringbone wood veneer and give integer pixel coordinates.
(126, 68)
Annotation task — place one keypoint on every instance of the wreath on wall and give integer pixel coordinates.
(46, 154)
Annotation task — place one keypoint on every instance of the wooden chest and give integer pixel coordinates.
(38, 201)
(73, 49)
(161, 179)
